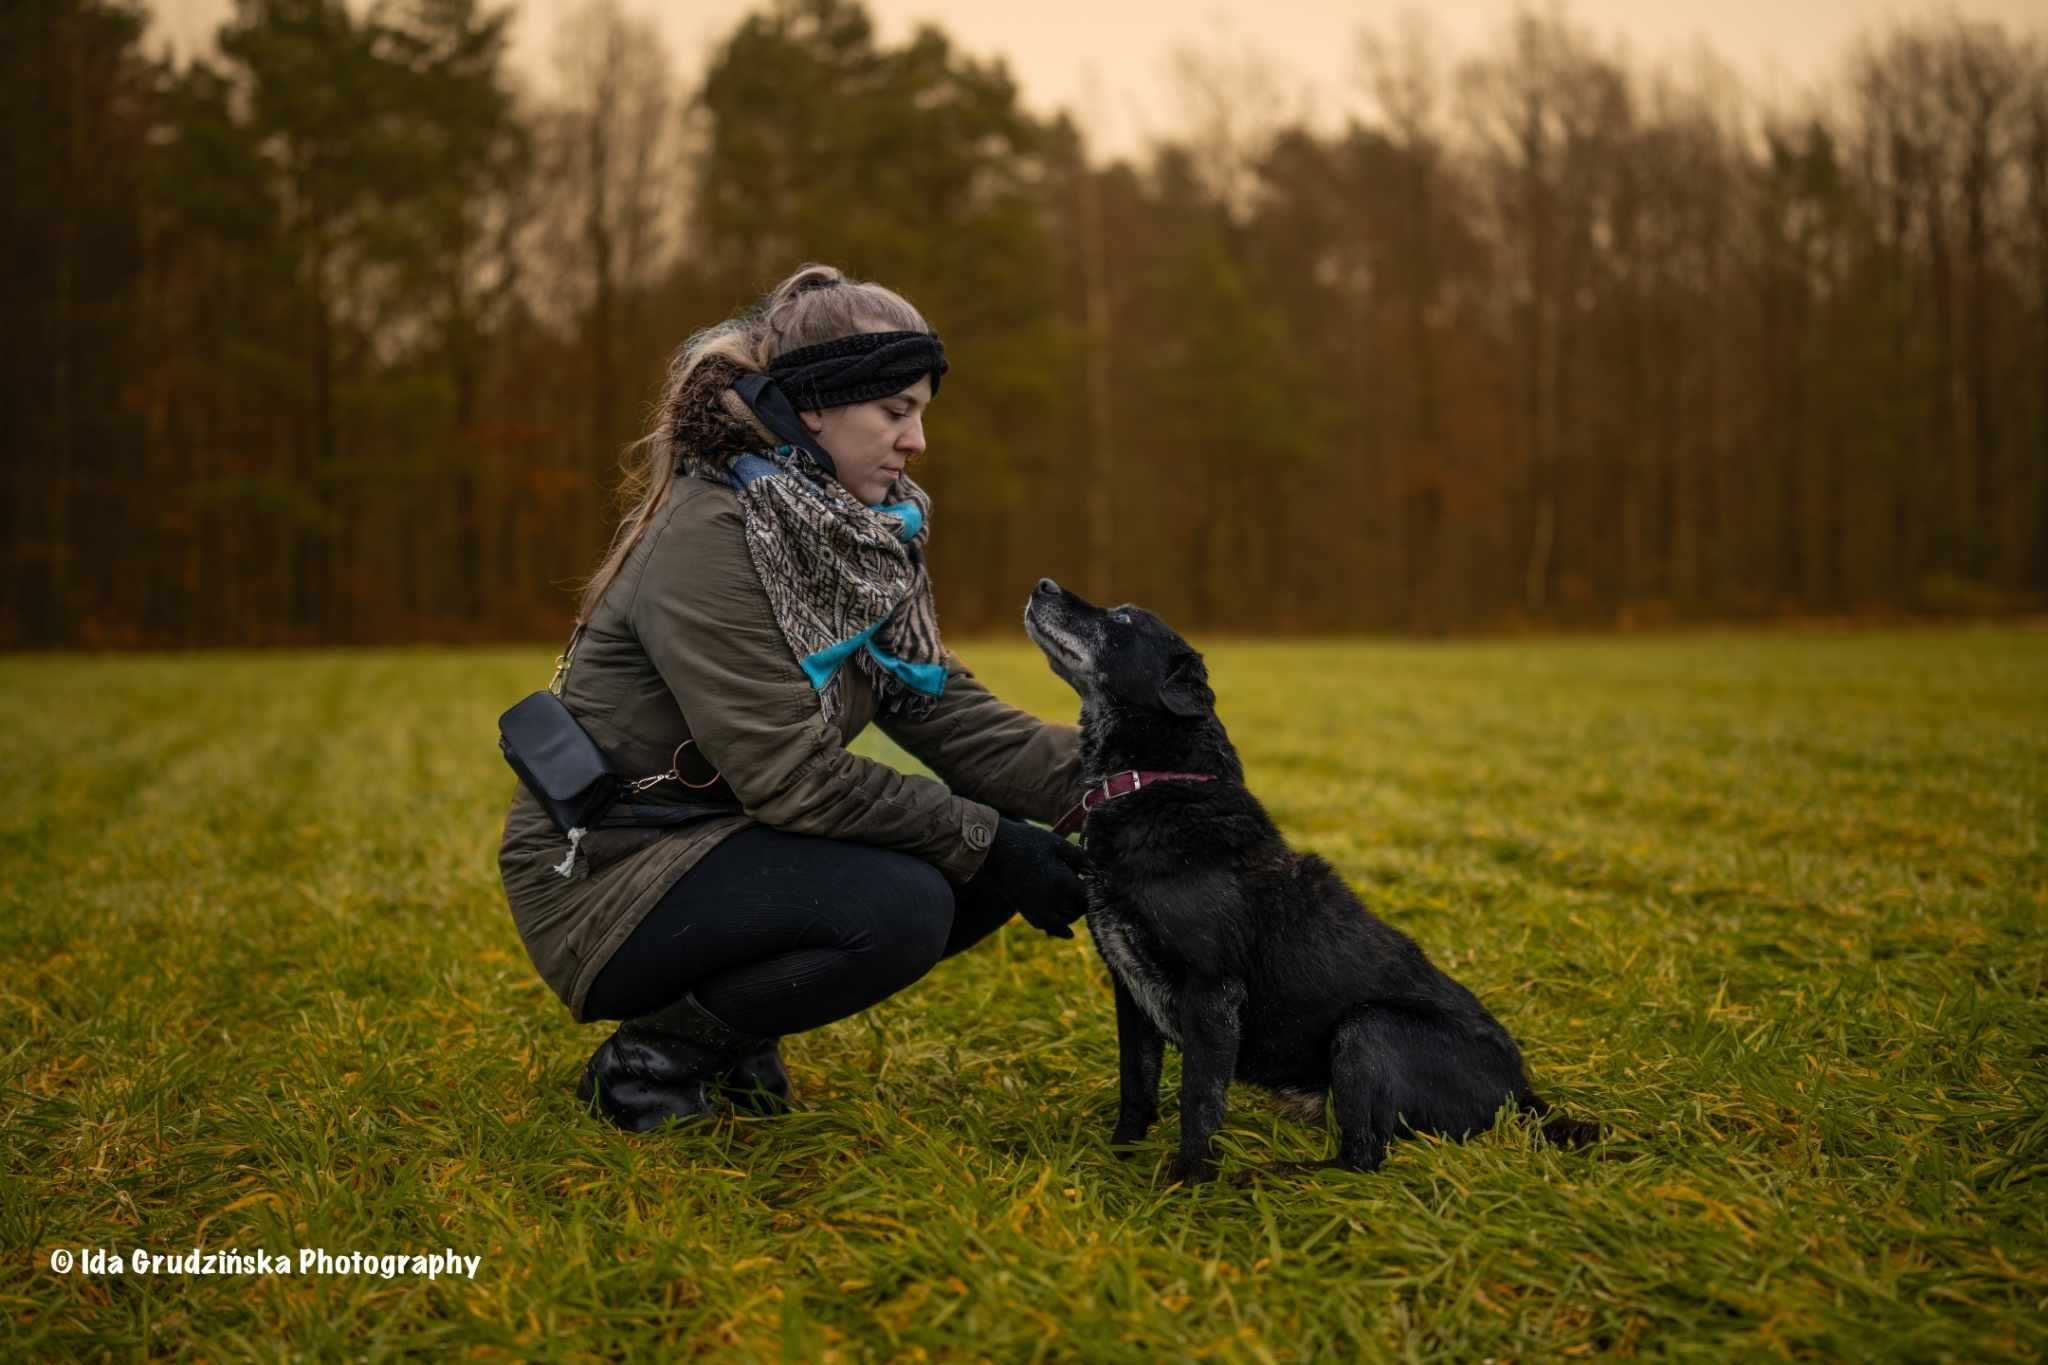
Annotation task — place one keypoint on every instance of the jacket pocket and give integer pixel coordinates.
(628, 829)
(603, 847)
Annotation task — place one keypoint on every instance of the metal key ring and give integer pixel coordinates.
(675, 765)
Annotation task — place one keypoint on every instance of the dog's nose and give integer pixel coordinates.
(1047, 586)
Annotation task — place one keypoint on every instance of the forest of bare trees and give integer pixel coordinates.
(335, 332)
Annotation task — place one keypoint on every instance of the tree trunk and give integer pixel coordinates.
(316, 455)
(1098, 502)
(1981, 514)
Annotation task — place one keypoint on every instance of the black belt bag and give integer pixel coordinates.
(558, 762)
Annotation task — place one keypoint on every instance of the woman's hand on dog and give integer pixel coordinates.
(1037, 873)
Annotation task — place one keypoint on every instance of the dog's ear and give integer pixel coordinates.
(1186, 689)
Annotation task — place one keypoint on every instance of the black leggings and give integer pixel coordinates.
(778, 933)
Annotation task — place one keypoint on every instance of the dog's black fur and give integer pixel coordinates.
(1257, 961)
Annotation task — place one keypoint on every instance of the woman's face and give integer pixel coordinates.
(871, 442)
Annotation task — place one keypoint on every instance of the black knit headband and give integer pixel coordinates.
(856, 368)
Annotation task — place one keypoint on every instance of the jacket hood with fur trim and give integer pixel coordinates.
(708, 420)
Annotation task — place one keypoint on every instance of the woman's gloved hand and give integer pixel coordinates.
(1036, 874)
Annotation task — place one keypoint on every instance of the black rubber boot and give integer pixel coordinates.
(757, 1083)
(661, 1065)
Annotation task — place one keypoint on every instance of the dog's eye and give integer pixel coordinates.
(1122, 618)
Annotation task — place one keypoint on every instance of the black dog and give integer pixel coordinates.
(1258, 962)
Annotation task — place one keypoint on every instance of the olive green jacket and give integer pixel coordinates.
(684, 646)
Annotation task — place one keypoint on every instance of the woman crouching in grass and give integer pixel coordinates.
(764, 599)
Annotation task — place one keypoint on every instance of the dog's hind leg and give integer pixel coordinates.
(1362, 1067)
(1393, 1070)
(1139, 1046)
(1211, 1017)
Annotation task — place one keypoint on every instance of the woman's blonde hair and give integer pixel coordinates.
(817, 303)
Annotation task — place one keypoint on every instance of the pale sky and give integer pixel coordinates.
(1110, 60)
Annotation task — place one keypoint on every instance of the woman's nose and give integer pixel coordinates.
(912, 439)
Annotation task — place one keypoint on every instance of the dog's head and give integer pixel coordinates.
(1123, 658)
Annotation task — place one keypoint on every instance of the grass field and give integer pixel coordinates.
(1770, 908)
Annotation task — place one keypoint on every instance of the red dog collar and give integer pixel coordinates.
(1120, 784)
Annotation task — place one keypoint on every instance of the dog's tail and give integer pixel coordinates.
(1559, 1128)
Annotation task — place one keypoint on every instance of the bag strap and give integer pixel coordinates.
(564, 659)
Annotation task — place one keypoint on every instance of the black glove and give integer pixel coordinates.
(1035, 873)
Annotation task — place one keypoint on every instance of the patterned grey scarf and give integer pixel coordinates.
(847, 581)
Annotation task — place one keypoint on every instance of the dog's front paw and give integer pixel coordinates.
(1126, 1133)
(1186, 1171)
